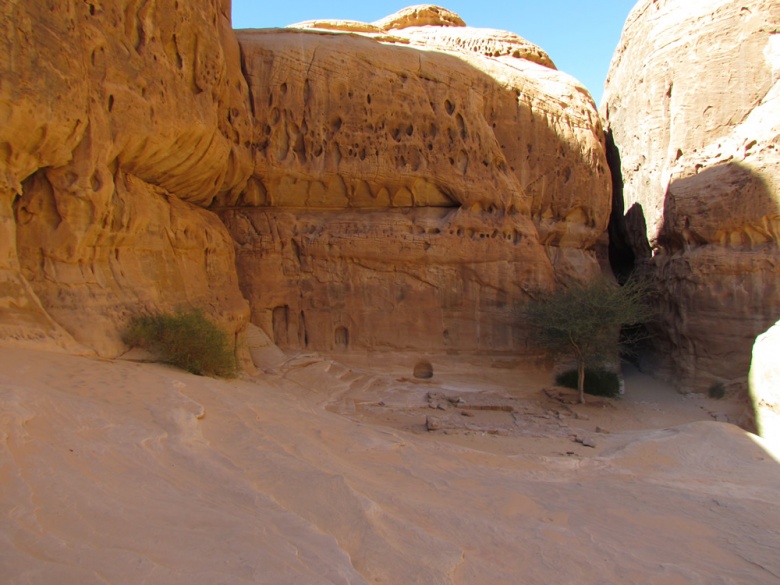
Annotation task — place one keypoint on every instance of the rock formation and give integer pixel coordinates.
(405, 186)
(413, 180)
(765, 384)
(692, 107)
(119, 122)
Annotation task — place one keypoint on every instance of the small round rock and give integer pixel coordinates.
(423, 370)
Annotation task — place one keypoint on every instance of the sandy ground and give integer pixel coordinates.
(324, 471)
(510, 406)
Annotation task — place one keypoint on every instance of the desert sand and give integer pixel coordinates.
(322, 470)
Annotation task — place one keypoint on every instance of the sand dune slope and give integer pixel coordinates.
(115, 472)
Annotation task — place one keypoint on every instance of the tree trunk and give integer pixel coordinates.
(581, 379)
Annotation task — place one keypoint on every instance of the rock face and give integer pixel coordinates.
(692, 105)
(118, 123)
(404, 185)
(765, 384)
(412, 181)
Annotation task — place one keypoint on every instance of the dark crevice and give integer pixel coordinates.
(622, 259)
(244, 72)
(636, 339)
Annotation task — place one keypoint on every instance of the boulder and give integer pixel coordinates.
(692, 108)
(765, 384)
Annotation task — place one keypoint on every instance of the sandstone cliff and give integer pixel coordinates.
(413, 179)
(693, 108)
(119, 121)
(403, 183)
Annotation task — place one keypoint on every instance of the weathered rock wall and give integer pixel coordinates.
(117, 121)
(403, 187)
(409, 190)
(692, 105)
(421, 278)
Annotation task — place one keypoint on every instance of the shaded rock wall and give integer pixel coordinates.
(409, 190)
(118, 120)
(692, 105)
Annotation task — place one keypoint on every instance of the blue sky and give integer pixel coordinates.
(579, 35)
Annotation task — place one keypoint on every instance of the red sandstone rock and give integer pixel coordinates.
(404, 187)
(114, 122)
(693, 105)
(411, 187)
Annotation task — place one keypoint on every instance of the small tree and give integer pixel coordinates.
(585, 320)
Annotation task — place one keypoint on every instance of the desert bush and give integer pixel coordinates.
(598, 382)
(717, 390)
(185, 339)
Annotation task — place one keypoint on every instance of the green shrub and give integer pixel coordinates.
(185, 339)
(597, 382)
(717, 390)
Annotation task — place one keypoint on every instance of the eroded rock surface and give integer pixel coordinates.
(413, 180)
(129, 473)
(117, 120)
(403, 183)
(693, 107)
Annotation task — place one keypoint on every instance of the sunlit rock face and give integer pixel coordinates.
(119, 122)
(414, 179)
(405, 183)
(692, 105)
(765, 384)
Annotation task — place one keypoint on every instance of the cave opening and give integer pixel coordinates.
(280, 320)
(341, 337)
